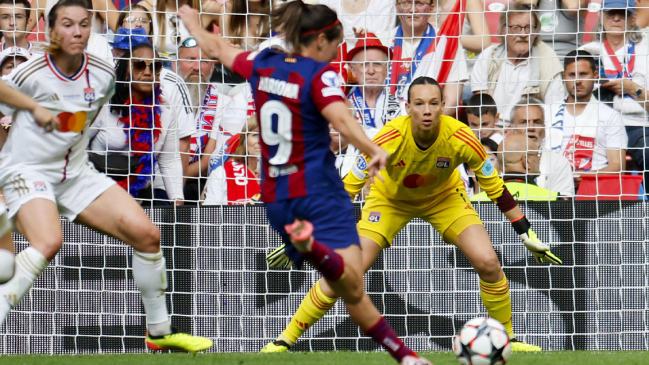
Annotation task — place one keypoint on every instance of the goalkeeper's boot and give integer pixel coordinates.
(519, 346)
(301, 232)
(275, 347)
(412, 360)
(178, 341)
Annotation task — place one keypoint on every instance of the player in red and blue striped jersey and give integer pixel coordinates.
(296, 96)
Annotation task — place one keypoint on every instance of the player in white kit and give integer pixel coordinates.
(46, 174)
(41, 116)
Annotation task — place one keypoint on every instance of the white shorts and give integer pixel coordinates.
(72, 196)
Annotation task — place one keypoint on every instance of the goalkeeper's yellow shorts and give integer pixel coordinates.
(450, 213)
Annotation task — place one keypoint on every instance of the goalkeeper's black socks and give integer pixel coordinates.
(382, 333)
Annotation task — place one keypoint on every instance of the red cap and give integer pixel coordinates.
(370, 41)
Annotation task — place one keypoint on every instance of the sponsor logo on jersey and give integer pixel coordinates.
(400, 164)
(72, 122)
(40, 186)
(72, 97)
(487, 168)
(89, 94)
(275, 171)
(443, 162)
(330, 78)
(374, 217)
(279, 87)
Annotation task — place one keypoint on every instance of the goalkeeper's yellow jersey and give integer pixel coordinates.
(414, 174)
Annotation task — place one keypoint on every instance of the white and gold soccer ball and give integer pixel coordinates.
(482, 341)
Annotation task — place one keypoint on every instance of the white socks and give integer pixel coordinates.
(7, 265)
(29, 265)
(149, 272)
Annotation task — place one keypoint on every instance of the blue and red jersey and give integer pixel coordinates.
(290, 92)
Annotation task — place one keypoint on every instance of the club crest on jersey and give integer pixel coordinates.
(89, 94)
(443, 162)
(40, 186)
(374, 217)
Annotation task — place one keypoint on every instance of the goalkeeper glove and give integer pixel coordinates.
(278, 259)
(540, 250)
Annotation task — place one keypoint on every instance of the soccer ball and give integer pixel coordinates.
(482, 341)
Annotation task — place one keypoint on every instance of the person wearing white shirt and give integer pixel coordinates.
(417, 50)
(375, 15)
(110, 132)
(593, 138)
(528, 118)
(522, 65)
(372, 102)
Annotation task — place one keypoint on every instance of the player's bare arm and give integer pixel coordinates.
(212, 45)
(19, 100)
(338, 114)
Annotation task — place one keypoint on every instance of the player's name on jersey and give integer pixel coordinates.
(279, 87)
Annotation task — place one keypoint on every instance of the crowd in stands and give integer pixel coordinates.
(556, 90)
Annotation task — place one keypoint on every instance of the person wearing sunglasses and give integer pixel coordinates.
(141, 124)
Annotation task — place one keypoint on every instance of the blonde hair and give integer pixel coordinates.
(241, 152)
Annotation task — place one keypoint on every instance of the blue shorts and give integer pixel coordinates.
(332, 216)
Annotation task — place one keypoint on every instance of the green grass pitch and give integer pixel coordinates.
(326, 358)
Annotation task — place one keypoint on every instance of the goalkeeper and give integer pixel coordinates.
(422, 181)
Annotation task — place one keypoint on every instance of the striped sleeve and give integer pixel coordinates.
(477, 159)
(389, 139)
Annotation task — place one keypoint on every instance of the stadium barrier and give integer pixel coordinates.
(220, 287)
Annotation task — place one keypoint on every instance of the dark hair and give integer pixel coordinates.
(481, 104)
(54, 12)
(130, 8)
(25, 4)
(424, 80)
(123, 84)
(302, 23)
(493, 146)
(579, 55)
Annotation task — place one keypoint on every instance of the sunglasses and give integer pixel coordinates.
(140, 66)
(132, 19)
(189, 43)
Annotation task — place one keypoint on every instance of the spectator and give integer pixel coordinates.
(237, 181)
(520, 169)
(374, 16)
(482, 114)
(204, 97)
(10, 58)
(139, 123)
(371, 99)
(418, 51)
(522, 65)
(247, 23)
(104, 12)
(345, 153)
(491, 147)
(593, 135)
(563, 23)
(623, 63)
(14, 17)
(169, 30)
(528, 118)
(135, 28)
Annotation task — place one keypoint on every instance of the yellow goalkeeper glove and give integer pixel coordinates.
(540, 250)
(278, 259)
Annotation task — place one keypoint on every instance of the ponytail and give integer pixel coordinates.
(302, 23)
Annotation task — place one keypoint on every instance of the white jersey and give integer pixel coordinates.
(75, 100)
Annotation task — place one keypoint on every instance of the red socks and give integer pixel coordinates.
(382, 333)
(325, 260)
